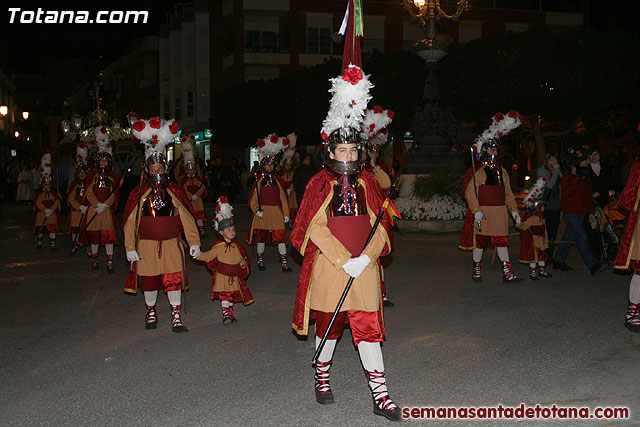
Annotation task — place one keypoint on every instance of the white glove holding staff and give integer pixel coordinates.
(355, 266)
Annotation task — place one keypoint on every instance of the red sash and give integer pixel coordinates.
(160, 228)
(538, 230)
(230, 270)
(192, 188)
(351, 231)
(101, 193)
(491, 195)
(47, 203)
(270, 195)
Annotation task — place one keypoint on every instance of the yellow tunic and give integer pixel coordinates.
(55, 207)
(103, 221)
(228, 256)
(540, 242)
(197, 204)
(273, 218)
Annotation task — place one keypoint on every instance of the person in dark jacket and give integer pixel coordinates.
(550, 170)
(301, 177)
(575, 204)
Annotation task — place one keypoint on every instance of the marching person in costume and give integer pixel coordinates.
(490, 199)
(156, 213)
(628, 256)
(268, 202)
(285, 178)
(534, 242)
(102, 195)
(335, 218)
(77, 197)
(228, 262)
(46, 205)
(193, 185)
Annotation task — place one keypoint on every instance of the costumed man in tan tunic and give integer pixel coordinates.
(77, 198)
(268, 202)
(490, 199)
(285, 177)
(102, 195)
(156, 214)
(228, 263)
(46, 205)
(336, 216)
(534, 242)
(192, 183)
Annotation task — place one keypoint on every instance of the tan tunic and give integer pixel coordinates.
(197, 204)
(273, 218)
(328, 279)
(381, 176)
(103, 221)
(55, 207)
(233, 256)
(292, 199)
(75, 214)
(165, 256)
(540, 242)
(497, 217)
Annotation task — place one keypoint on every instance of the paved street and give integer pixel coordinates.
(75, 352)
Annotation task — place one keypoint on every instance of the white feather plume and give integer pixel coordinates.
(291, 148)
(45, 165)
(498, 128)
(186, 148)
(536, 191)
(270, 148)
(373, 123)
(82, 153)
(225, 212)
(155, 140)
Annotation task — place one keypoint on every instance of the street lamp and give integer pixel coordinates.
(427, 12)
(25, 115)
(77, 121)
(16, 134)
(3, 110)
(132, 117)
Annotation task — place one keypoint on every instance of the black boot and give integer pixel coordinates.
(382, 403)
(151, 320)
(176, 320)
(533, 273)
(508, 276)
(324, 395)
(261, 265)
(477, 271)
(632, 321)
(284, 265)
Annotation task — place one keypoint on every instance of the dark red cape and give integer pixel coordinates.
(528, 253)
(318, 190)
(629, 201)
(247, 298)
(466, 242)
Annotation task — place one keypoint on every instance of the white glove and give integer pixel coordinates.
(259, 214)
(516, 217)
(288, 191)
(194, 197)
(101, 207)
(83, 209)
(355, 266)
(133, 256)
(286, 219)
(478, 216)
(194, 251)
(48, 212)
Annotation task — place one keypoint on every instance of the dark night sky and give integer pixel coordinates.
(24, 45)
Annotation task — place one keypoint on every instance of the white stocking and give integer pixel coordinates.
(260, 247)
(52, 236)
(477, 254)
(503, 253)
(634, 289)
(94, 249)
(282, 248)
(532, 264)
(542, 263)
(327, 351)
(109, 248)
(174, 297)
(225, 304)
(73, 236)
(200, 223)
(150, 298)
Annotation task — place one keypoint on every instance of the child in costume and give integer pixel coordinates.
(228, 263)
(46, 205)
(534, 242)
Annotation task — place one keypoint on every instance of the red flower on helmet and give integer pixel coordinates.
(103, 129)
(521, 117)
(372, 126)
(155, 122)
(500, 133)
(173, 127)
(498, 117)
(513, 114)
(260, 143)
(82, 145)
(352, 75)
(391, 113)
(223, 199)
(377, 109)
(217, 208)
(139, 125)
(273, 138)
(286, 142)
(154, 140)
(325, 136)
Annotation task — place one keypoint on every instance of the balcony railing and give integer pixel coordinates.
(264, 42)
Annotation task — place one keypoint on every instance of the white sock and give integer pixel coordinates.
(199, 222)
(225, 303)
(40, 236)
(73, 236)
(52, 236)
(634, 289)
(150, 297)
(542, 263)
(327, 351)
(477, 254)
(94, 249)
(174, 297)
(260, 247)
(282, 248)
(109, 248)
(503, 253)
(532, 264)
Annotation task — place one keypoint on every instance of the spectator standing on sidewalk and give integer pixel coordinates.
(550, 170)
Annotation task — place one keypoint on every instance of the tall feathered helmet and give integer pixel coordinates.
(270, 148)
(534, 197)
(350, 95)
(186, 149)
(290, 148)
(374, 126)
(155, 134)
(104, 150)
(82, 155)
(501, 125)
(224, 215)
(45, 168)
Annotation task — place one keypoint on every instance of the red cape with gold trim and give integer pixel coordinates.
(132, 281)
(629, 201)
(317, 196)
(528, 253)
(247, 298)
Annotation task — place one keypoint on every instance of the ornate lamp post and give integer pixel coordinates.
(432, 125)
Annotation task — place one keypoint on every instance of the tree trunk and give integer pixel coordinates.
(540, 136)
